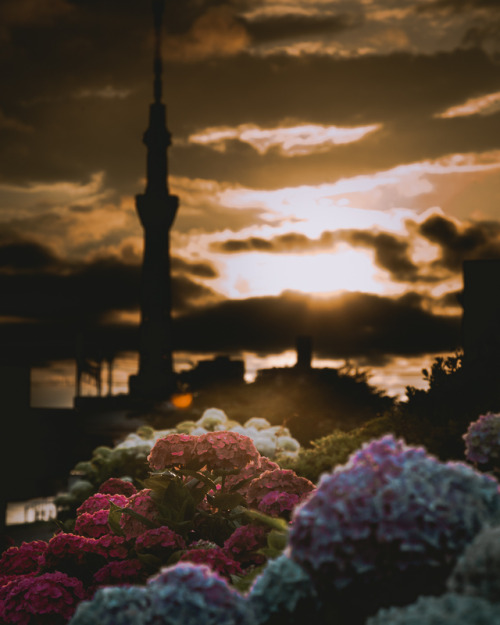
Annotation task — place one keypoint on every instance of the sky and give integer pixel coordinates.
(336, 162)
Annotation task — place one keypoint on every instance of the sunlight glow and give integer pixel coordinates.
(484, 105)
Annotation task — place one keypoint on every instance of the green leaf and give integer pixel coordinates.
(242, 584)
(151, 561)
(275, 523)
(139, 517)
(115, 514)
(277, 539)
(202, 477)
(227, 501)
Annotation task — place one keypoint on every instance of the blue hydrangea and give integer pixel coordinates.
(478, 570)
(117, 605)
(284, 589)
(482, 440)
(391, 510)
(449, 609)
(190, 594)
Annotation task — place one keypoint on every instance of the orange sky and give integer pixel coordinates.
(336, 161)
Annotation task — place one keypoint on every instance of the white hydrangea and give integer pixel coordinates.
(258, 423)
(265, 444)
(134, 440)
(198, 430)
(280, 430)
(212, 417)
(288, 443)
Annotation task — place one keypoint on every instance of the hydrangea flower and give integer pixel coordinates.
(116, 486)
(248, 473)
(93, 524)
(48, 598)
(283, 589)
(120, 572)
(449, 609)
(391, 510)
(258, 423)
(111, 546)
(190, 594)
(225, 451)
(276, 503)
(482, 440)
(172, 450)
(162, 538)
(101, 501)
(141, 503)
(211, 418)
(478, 570)
(216, 558)
(280, 480)
(116, 605)
(245, 540)
(69, 550)
(24, 559)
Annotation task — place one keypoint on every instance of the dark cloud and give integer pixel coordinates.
(456, 6)
(201, 269)
(477, 240)
(287, 26)
(391, 251)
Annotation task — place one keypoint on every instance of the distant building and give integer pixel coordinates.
(219, 370)
(481, 316)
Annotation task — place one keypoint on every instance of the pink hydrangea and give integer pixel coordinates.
(251, 471)
(115, 486)
(70, 550)
(121, 572)
(161, 538)
(48, 598)
(141, 503)
(276, 503)
(244, 541)
(111, 547)
(23, 559)
(93, 524)
(173, 450)
(281, 480)
(101, 501)
(225, 451)
(215, 558)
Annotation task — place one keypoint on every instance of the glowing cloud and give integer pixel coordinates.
(484, 105)
(290, 141)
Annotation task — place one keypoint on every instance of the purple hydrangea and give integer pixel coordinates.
(391, 511)
(283, 589)
(115, 605)
(482, 440)
(190, 594)
(449, 609)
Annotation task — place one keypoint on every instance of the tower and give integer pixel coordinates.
(156, 208)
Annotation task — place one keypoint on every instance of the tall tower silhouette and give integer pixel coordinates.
(156, 208)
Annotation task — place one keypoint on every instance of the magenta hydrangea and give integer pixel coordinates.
(24, 559)
(50, 598)
(241, 481)
(141, 503)
(216, 558)
(482, 440)
(121, 572)
(392, 513)
(101, 501)
(276, 503)
(115, 486)
(244, 542)
(278, 480)
(68, 550)
(160, 539)
(225, 451)
(93, 524)
(173, 450)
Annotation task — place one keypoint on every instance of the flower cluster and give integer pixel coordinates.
(278, 504)
(225, 451)
(185, 594)
(391, 509)
(120, 572)
(141, 503)
(283, 589)
(173, 450)
(23, 559)
(277, 481)
(115, 486)
(101, 501)
(244, 541)
(482, 440)
(214, 557)
(244, 477)
(160, 539)
(93, 524)
(478, 570)
(449, 609)
(47, 598)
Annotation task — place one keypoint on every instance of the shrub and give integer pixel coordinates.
(482, 441)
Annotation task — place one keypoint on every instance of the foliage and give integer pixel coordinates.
(449, 609)
(390, 523)
(477, 572)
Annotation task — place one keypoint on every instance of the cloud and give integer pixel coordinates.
(107, 93)
(483, 105)
(297, 140)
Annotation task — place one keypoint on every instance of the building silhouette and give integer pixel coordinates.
(156, 208)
